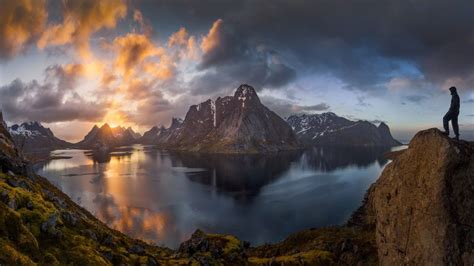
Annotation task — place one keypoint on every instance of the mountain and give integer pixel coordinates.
(232, 124)
(160, 135)
(32, 136)
(108, 137)
(330, 129)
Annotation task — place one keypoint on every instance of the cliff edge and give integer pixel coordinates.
(422, 205)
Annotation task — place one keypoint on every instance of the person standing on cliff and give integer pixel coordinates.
(452, 114)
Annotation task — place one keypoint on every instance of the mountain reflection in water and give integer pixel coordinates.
(163, 197)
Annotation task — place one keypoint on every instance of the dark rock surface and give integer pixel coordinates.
(422, 205)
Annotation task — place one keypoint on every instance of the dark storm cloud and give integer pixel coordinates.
(230, 58)
(364, 43)
(286, 108)
(46, 103)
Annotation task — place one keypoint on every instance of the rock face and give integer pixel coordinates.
(330, 129)
(423, 204)
(161, 135)
(106, 136)
(232, 124)
(32, 136)
(10, 157)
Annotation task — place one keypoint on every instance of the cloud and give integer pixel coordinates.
(53, 101)
(82, 18)
(66, 76)
(415, 98)
(21, 22)
(364, 44)
(229, 58)
(286, 108)
(468, 101)
(138, 51)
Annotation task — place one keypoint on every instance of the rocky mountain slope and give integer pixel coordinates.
(108, 137)
(160, 135)
(33, 137)
(232, 124)
(330, 129)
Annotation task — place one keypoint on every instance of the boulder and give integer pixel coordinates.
(423, 204)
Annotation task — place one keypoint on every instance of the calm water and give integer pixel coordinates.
(163, 197)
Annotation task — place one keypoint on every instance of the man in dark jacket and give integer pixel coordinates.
(452, 114)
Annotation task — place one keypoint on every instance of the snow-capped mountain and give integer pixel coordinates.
(330, 129)
(109, 137)
(32, 136)
(232, 124)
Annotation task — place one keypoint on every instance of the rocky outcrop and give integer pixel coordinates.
(330, 129)
(232, 124)
(34, 137)
(422, 206)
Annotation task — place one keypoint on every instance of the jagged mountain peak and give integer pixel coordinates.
(245, 94)
(232, 124)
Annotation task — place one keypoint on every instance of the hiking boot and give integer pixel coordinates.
(445, 133)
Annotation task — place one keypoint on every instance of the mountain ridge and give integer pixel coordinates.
(331, 129)
(232, 124)
(33, 137)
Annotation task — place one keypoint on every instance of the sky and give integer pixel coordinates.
(74, 63)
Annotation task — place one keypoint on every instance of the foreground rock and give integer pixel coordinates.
(423, 204)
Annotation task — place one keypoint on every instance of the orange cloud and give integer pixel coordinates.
(82, 18)
(212, 39)
(132, 49)
(186, 43)
(21, 21)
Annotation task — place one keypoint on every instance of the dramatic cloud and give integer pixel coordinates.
(53, 101)
(229, 58)
(132, 49)
(286, 108)
(363, 43)
(21, 22)
(82, 18)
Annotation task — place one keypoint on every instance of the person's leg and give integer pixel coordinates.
(446, 119)
(454, 122)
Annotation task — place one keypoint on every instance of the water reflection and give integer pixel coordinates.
(163, 197)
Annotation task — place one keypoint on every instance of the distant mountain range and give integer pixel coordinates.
(330, 129)
(32, 136)
(231, 124)
(108, 137)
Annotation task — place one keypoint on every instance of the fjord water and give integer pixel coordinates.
(163, 197)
